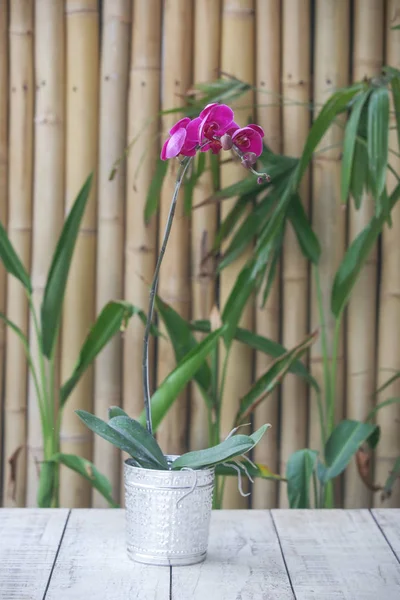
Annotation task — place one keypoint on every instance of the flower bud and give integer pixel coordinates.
(249, 159)
(226, 141)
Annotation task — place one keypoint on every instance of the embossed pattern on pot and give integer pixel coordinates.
(167, 514)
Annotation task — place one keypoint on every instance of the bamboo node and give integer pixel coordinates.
(47, 119)
(20, 32)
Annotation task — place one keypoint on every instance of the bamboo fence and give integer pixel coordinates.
(81, 86)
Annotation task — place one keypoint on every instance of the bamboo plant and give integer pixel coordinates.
(51, 399)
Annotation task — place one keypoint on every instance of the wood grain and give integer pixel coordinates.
(29, 540)
(333, 554)
(93, 563)
(389, 522)
(244, 561)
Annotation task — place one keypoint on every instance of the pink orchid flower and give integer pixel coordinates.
(184, 138)
(249, 139)
(215, 121)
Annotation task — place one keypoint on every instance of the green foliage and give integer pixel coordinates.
(58, 274)
(299, 472)
(11, 261)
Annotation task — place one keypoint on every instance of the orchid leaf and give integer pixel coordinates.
(233, 446)
(139, 436)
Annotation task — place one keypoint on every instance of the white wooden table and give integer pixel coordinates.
(253, 555)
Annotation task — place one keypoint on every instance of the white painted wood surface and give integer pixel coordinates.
(388, 520)
(93, 564)
(244, 562)
(337, 554)
(29, 540)
(253, 555)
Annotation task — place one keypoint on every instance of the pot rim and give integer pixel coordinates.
(169, 457)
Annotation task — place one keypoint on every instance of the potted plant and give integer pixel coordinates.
(169, 498)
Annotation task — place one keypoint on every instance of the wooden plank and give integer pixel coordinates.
(29, 540)
(244, 561)
(388, 520)
(93, 562)
(334, 554)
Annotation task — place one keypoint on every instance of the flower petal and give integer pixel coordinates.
(173, 145)
(204, 113)
(223, 115)
(257, 128)
(192, 131)
(182, 123)
(248, 140)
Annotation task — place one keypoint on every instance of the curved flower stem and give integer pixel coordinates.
(145, 364)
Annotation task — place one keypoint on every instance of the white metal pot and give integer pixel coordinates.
(167, 514)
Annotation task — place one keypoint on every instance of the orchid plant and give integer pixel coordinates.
(215, 130)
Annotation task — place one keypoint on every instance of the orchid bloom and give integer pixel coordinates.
(214, 129)
(184, 139)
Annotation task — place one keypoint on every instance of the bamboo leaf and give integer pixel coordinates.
(359, 173)
(112, 319)
(387, 383)
(153, 194)
(59, 269)
(378, 138)
(230, 221)
(166, 394)
(262, 344)
(388, 402)
(11, 260)
(271, 378)
(299, 471)
(349, 143)
(233, 446)
(88, 471)
(337, 103)
(395, 83)
(306, 237)
(342, 444)
(272, 265)
(183, 340)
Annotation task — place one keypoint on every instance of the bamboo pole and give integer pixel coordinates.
(82, 33)
(361, 341)
(174, 280)
(388, 418)
(204, 220)
(268, 75)
(296, 119)
(48, 188)
(331, 66)
(140, 242)
(237, 58)
(19, 230)
(116, 25)
(3, 189)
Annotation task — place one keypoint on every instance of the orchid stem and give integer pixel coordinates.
(153, 290)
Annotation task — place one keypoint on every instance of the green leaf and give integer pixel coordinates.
(237, 300)
(355, 258)
(342, 444)
(349, 143)
(299, 471)
(153, 194)
(164, 397)
(116, 411)
(391, 480)
(139, 437)
(117, 439)
(59, 269)
(16, 330)
(112, 318)
(183, 340)
(262, 344)
(395, 83)
(359, 173)
(47, 479)
(306, 237)
(89, 472)
(257, 435)
(230, 221)
(388, 402)
(378, 138)
(272, 265)
(254, 470)
(336, 104)
(271, 378)
(387, 383)
(11, 260)
(214, 166)
(233, 446)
